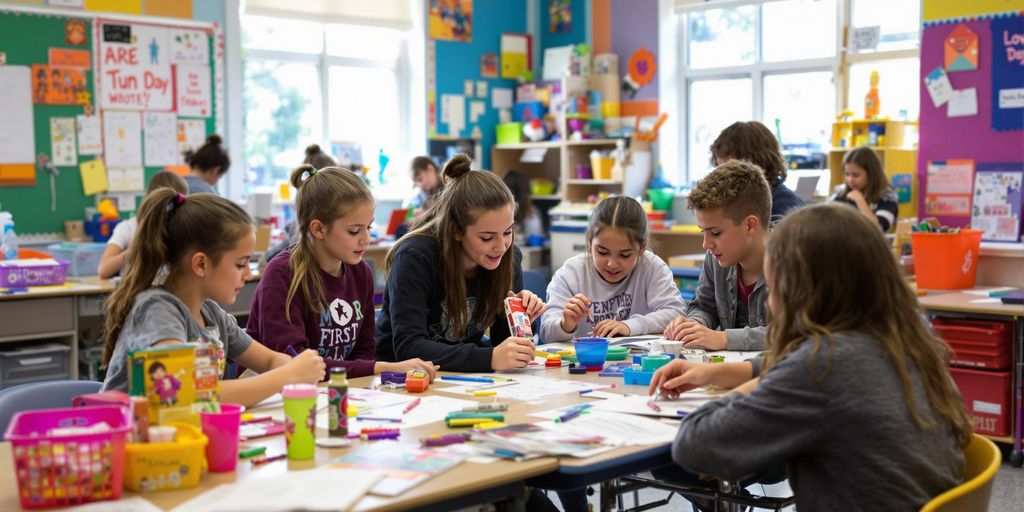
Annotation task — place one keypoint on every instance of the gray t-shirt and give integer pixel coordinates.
(197, 185)
(159, 315)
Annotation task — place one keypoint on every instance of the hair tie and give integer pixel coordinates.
(312, 171)
(175, 202)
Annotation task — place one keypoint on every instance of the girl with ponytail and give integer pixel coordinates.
(205, 241)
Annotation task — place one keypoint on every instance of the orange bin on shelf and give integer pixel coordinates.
(946, 261)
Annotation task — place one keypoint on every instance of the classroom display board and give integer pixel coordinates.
(95, 105)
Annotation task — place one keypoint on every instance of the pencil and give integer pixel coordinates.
(266, 460)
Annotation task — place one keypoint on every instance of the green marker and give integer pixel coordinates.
(252, 452)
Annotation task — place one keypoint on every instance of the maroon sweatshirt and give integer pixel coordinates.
(343, 330)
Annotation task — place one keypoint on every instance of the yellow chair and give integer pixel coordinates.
(982, 459)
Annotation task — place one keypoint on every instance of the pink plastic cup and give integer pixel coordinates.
(222, 430)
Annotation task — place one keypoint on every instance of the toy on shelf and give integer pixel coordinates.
(872, 104)
(534, 130)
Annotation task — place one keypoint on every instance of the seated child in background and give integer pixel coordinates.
(616, 288)
(207, 165)
(527, 221)
(427, 179)
(316, 158)
(732, 206)
(753, 142)
(319, 292)
(205, 241)
(854, 396)
(112, 259)
(867, 189)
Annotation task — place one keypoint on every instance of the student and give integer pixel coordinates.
(867, 189)
(206, 241)
(427, 179)
(113, 256)
(206, 166)
(448, 278)
(753, 142)
(853, 395)
(732, 206)
(319, 292)
(616, 288)
(527, 221)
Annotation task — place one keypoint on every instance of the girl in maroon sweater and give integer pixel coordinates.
(318, 294)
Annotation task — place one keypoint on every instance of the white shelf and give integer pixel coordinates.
(1005, 250)
(593, 182)
(530, 145)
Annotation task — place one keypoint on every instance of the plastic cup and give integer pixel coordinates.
(300, 420)
(222, 430)
(592, 352)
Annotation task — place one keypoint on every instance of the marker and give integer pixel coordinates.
(267, 460)
(485, 393)
(585, 391)
(501, 452)
(375, 436)
(682, 413)
(256, 419)
(568, 416)
(444, 440)
(370, 418)
(486, 407)
(467, 379)
(252, 452)
(412, 405)
(654, 406)
(291, 351)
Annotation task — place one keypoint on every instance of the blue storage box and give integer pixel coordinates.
(535, 108)
(635, 377)
(83, 258)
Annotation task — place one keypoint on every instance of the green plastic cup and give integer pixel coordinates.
(300, 420)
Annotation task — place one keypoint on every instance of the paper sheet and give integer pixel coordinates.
(191, 135)
(132, 504)
(94, 177)
(62, 141)
(526, 387)
(315, 490)
(453, 112)
(865, 38)
(476, 110)
(939, 87)
(90, 139)
(130, 179)
(17, 131)
(501, 97)
(161, 148)
(637, 404)
(192, 91)
(431, 409)
(122, 139)
(964, 103)
(618, 429)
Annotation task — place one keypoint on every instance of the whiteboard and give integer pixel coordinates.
(17, 131)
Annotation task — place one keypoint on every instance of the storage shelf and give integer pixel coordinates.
(593, 182)
(530, 145)
(547, 197)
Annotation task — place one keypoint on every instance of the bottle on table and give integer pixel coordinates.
(337, 410)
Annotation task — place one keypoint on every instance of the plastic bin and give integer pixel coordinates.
(601, 167)
(83, 258)
(100, 230)
(661, 198)
(70, 469)
(165, 466)
(946, 261)
(22, 273)
(34, 363)
(987, 396)
(509, 133)
(637, 378)
(977, 343)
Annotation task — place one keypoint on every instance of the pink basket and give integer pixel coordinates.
(19, 276)
(63, 470)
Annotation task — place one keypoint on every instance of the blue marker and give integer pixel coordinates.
(501, 452)
(682, 413)
(569, 415)
(467, 379)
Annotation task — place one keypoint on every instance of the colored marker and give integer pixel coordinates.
(444, 440)
(568, 416)
(375, 436)
(291, 351)
(267, 460)
(252, 452)
(654, 406)
(412, 405)
(462, 378)
(486, 407)
(682, 413)
(485, 393)
(256, 419)
(370, 418)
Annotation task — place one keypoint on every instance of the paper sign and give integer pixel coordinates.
(481, 89)
(90, 140)
(951, 177)
(997, 201)
(125, 202)
(865, 38)
(1011, 98)
(17, 129)
(94, 177)
(70, 58)
(131, 179)
(191, 135)
(467, 88)
(160, 141)
(62, 141)
(193, 91)
(190, 47)
(135, 74)
(58, 86)
(937, 204)
(122, 138)
(961, 52)
(964, 103)
(476, 110)
(515, 55)
(501, 97)
(938, 86)
(453, 112)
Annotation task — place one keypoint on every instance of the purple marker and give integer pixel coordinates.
(374, 436)
(291, 351)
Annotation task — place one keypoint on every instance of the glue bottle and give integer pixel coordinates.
(10, 238)
(337, 409)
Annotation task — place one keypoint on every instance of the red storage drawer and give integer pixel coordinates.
(977, 343)
(987, 395)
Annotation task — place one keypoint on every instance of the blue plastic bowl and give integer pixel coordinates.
(592, 352)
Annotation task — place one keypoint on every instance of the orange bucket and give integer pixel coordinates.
(946, 261)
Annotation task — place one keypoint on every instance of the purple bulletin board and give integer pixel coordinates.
(972, 137)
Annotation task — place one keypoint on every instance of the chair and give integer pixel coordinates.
(533, 281)
(53, 394)
(981, 462)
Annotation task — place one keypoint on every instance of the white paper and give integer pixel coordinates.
(476, 109)
(190, 47)
(481, 89)
(122, 139)
(939, 87)
(865, 38)
(504, 115)
(315, 490)
(637, 404)
(467, 88)
(128, 179)
(90, 139)
(805, 186)
(1011, 98)
(525, 387)
(191, 135)
(161, 148)
(963, 103)
(125, 504)
(125, 202)
(17, 131)
(618, 429)
(453, 112)
(65, 3)
(62, 141)
(501, 97)
(556, 62)
(431, 409)
(192, 90)
(533, 155)
(136, 75)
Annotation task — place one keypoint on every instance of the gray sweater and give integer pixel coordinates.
(646, 300)
(715, 304)
(848, 438)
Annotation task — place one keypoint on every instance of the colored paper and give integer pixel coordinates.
(489, 65)
(94, 177)
(1008, 73)
(949, 187)
(135, 69)
(961, 49)
(129, 179)
(190, 46)
(904, 186)
(67, 57)
(938, 86)
(122, 6)
(17, 175)
(450, 20)
(964, 103)
(515, 55)
(998, 202)
(160, 138)
(865, 38)
(122, 138)
(17, 129)
(90, 139)
(62, 141)
(58, 86)
(936, 10)
(191, 135)
(193, 91)
(169, 8)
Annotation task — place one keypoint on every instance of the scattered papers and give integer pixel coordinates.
(404, 465)
(431, 409)
(526, 388)
(618, 429)
(133, 504)
(314, 490)
(637, 404)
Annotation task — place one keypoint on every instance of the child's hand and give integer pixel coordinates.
(610, 329)
(306, 368)
(534, 306)
(408, 364)
(576, 309)
(512, 353)
(856, 196)
(678, 376)
(696, 335)
(673, 327)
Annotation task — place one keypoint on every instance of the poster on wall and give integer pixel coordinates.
(189, 47)
(961, 49)
(62, 141)
(1008, 73)
(560, 16)
(949, 188)
(998, 201)
(191, 135)
(135, 68)
(159, 138)
(450, 20)
(58, 86)
(122, 139)
(192, 90)
(90, 139)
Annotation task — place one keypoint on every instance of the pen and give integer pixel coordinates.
(291, 351)
(252, 452)
(682, 413)
(373, 436)
(654, 406)
(370, 418)
(411, 406)
(467, 379)
(266, 460)
(568, 416)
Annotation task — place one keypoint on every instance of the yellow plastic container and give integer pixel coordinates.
(164, 466)
(602, 167)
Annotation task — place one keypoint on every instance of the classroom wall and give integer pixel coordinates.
(578, 32)
(634, 25)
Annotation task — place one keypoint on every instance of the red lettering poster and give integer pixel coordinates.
(135, 68)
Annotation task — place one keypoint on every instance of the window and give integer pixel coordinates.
(332, 84)
(779, 62)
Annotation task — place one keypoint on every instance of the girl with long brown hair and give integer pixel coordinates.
(866, 188)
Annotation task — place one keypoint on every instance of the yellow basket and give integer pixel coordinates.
(163, 466)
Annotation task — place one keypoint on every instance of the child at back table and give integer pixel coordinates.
(753, 142)
(113, 256)
(732, 206)
(866, 188)
(205, 241)
(616, 288)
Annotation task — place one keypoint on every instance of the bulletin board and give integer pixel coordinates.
(160, 90)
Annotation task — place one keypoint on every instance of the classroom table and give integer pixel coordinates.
(966, 305)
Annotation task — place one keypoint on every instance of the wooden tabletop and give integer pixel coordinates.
(961, 302)
(88, 285)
